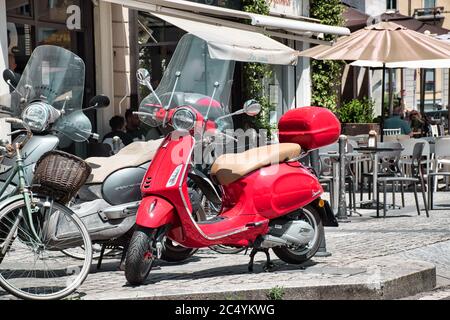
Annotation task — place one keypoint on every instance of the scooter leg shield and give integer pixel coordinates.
(155, 212)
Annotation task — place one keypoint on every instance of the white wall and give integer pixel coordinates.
(4, 90)
(304, 89)
(290, 96)
(370, 7)
(104, 61)
(375, 7)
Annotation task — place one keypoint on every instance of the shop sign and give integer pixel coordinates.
(73, 17)
(291, 7)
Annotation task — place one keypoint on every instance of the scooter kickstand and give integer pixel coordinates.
(269, 264)
(252, 260)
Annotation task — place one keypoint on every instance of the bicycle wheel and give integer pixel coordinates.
(34, 268)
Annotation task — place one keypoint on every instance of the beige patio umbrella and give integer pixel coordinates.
(386, 44)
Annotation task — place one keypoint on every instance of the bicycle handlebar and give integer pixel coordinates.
(18, 146)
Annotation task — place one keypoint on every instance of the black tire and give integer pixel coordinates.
(301, 255)
(173, 253)
(226, 250)
(139, 261)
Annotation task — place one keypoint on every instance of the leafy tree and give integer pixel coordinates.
(257, 74)
(357, 111)
(327, 74)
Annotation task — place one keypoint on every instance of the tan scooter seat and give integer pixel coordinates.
(229, 168)
(133, 155)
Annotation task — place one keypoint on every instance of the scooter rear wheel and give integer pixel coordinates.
(304, 253)
(140, 257)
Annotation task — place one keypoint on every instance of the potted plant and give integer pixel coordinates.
(357, 117)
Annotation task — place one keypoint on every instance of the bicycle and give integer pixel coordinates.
(34, 229)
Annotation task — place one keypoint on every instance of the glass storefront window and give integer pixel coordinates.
(54, 10)
(55, 37)
(19, 8)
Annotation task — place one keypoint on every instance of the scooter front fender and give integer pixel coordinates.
(155, 212)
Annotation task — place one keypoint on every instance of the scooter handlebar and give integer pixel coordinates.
(14, 121)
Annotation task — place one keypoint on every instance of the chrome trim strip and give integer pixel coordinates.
(180, 188)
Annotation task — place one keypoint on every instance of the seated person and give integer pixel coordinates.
(117, 124)
(418, 124)
(396, 122)
(133, 128)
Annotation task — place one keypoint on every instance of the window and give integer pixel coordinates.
(31, 23)
(430, 80)
(54, 10)
(391, 4)
(19, 8)
(429, 3)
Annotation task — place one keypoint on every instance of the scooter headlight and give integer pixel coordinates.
(184, 119)
(38, 116)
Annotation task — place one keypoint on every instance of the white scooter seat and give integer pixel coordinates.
(133, 155)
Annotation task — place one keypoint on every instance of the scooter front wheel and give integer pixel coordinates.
(140, 257)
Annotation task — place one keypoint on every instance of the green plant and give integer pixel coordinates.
(326, 75)
(357, 111)
(276, 293)
(256, 75)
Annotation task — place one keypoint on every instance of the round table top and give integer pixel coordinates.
(377, 149)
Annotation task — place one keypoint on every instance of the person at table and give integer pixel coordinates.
(418, 124)
(397, 122)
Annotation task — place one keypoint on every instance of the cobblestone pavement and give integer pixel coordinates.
(395, 244)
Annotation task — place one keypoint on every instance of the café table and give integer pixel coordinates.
(374, 151)
(334, 155)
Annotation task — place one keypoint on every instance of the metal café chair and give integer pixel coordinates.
(441, 161)
(407, 154)
(416, 177)
(387, 166)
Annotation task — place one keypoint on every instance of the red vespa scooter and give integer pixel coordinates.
(269, 199)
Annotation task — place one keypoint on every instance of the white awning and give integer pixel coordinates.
(296, 26)
(226, 43)
(286, 28)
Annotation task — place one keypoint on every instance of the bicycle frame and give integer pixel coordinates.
(8, 182)
(24, 193)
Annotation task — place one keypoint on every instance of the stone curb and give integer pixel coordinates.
(395, 280)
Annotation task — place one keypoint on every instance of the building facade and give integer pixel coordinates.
(109, 39)
(406, 83)
(433, 12)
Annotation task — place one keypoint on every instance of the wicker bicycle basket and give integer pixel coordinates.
(60, 175)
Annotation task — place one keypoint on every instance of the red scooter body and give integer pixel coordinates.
(249, 204)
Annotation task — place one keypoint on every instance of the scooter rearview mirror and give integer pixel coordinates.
(10, 78)
(252, 108)
(99, 102)
(143, 76)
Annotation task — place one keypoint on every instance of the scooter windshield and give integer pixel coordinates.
(55, 76)
(196, 84)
